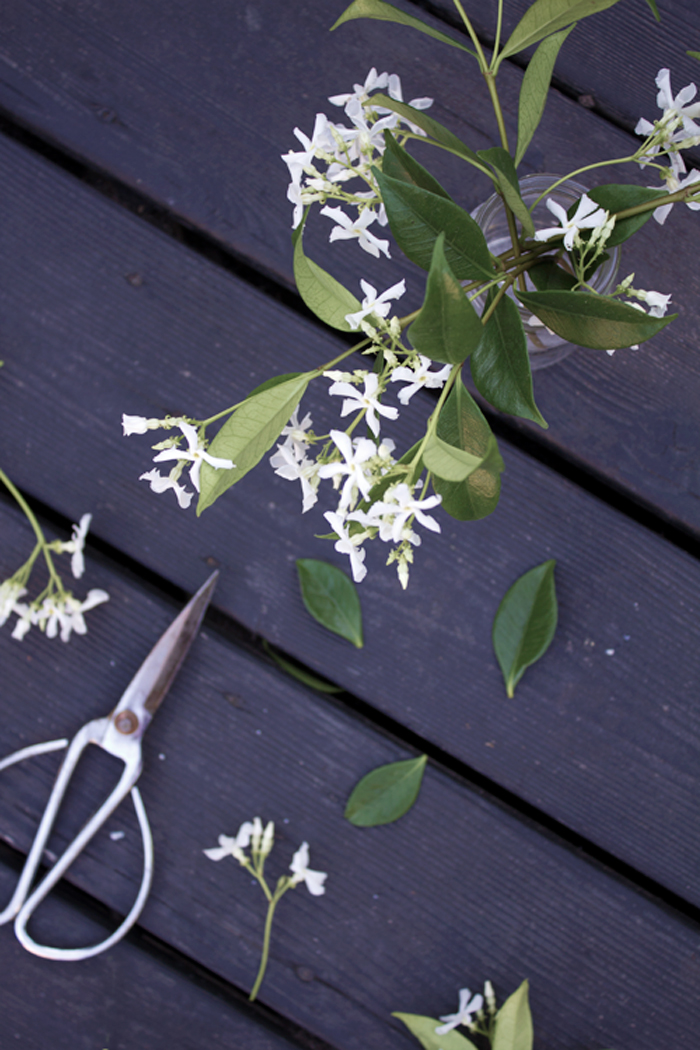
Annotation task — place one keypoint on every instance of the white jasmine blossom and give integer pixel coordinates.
(418, 377)
(353, 467)
(587, 216)
(76, 545)
(678, 106)
(468, 1005)
(373, 304)
(232, 846)
(56, 613)
(367, 400)
(398, 506)
(674, 183)
(302, 873)
(195, 454)
(348, 228)
(349, 544)
(159, 483)
(10, 591)
(288, 466)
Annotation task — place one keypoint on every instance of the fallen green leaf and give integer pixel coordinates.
(424, 1030)
(331, 598)
(305, 677)
(525, 623)
(386, 793)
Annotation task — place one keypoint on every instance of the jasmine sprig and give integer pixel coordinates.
(261, 840)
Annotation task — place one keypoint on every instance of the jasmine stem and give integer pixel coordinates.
(499, 25)
(474, 38)
(581, 171)
(41, 539)
(282, 886)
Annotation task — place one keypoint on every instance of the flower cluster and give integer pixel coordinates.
(195, 454)
(261, 840)
(375, 495)
(676, 130)
(336, 154)
(55, 611)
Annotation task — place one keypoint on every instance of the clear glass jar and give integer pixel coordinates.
(544, 347)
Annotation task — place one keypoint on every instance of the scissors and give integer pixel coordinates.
(120, 734)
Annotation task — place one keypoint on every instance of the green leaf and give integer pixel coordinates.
(593, 320)
(502, 163)
(447, 461)
(513, 1030)
(547, 16)
(431, 127)
(400, 165)
(424, 1030)
(535, 88)
(323, 295)
(548, 276)
(461, 423)
(331, 598)
(525, 623)
(615, 198)
(418, 217)
(448, 327)
(246, 435)
(657, 16)
(500, 364)
(300, 674)
(386, 793)
(693, 54)
(382, 12)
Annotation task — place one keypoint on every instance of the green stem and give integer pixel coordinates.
(499, 25)
(581, 171)
(266, 945)
(41, 539)
(474, 38)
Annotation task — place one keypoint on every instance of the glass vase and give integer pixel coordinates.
(544, 347)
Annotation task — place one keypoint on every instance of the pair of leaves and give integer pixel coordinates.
(331, 598)
(247, 435)
(593, 320)
(462, 425)
(512, 1029)
(525, 623)
(386, 793)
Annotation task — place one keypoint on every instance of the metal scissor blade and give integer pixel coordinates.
(153, 679)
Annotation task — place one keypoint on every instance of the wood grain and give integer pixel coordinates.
(602, 734)
(457, 890)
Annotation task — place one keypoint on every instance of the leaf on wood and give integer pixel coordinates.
(525, 623)
(500, 365)
(545, 17)
(331, 598)
(386, 793)
(513, 1028)
(383, 12)
(448, 327)
(301, 675)
(246, 435)
(535, 88)
(424, 1030)
(593, 321)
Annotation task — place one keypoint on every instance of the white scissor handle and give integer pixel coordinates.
(21, 905)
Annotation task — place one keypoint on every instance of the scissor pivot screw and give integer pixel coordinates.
(126, 722)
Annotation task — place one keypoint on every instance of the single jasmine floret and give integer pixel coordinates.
(367, 400)
(353, 467)
(159, 483)
(232, 846)
(196, 454)
(678, 106)
(468, 1005)
(418, 377)
(349, 544)
(674, 183)
(76, 545)
(288, 466)
(373, 304)
(302, 873)
(586, 217)
(10, 592)
(348, 228)
(295, 434)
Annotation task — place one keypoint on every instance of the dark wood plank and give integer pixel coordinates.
(456, 890)
(122, 999)
(604, 743)
(185, 111)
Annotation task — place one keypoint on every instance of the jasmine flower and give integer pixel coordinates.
(302, 873)
(196, 454)
(419, 376)
(348, 228)
(367, 400)
(377, 305)
(587, 216)
(467, 1007)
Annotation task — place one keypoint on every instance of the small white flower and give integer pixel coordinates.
(373, 304)
(419, 377)
(295, 433)
(285, 463)
(678, 106)
(348, 228)
(232, 846)
(161, 484)
(65, 614)
(367, 400)
(10, 591)
(467, 1007)
(673, 183)
(196, 454)
(302, 873)
(393, 512)
(76, 545)
(139, 424)
(350, 545)
(587, 216)
(355, 455)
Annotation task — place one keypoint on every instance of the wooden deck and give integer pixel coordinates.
(146, 268)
